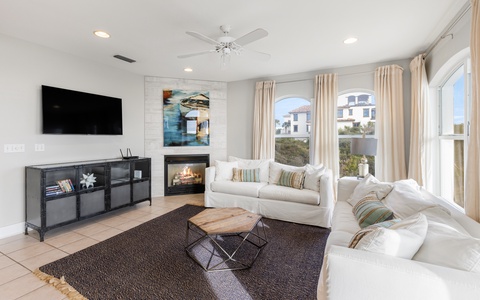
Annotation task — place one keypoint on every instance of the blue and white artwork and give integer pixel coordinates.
(186, 118)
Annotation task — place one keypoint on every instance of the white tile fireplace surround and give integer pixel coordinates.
(154, 148)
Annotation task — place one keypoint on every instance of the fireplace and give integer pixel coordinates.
(185, 174)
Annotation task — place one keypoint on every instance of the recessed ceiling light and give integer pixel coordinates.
(188, 70)
(350, 40)
(101, 34)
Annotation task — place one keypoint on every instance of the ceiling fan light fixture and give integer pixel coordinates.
(350, 40)
(101, 34)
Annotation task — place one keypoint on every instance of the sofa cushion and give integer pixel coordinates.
(370, 210)
(291, 179)
(406, 199)
(262, 164)
(246, 175)
(312, 177)
(250, 189)
(446, 246)
(283, 193)
(276, 169)
(402, 239)
(367, 185)
(224, 170)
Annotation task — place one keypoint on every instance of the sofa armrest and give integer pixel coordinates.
(209, 178)
(346, 186)
(327, 194)
(354, 274)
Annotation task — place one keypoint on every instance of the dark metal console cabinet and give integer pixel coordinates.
(55, 195)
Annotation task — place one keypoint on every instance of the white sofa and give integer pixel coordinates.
(312, 205)
(358, 274)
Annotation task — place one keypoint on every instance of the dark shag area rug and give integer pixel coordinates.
(150, 262)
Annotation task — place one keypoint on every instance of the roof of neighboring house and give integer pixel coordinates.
(301, 109)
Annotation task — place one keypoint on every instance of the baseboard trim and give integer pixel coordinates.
(11, 230)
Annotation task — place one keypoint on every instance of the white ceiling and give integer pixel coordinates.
(304, 35)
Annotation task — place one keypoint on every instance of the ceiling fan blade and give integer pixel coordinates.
(196, 54)
(202, 37)
(256, 54)
(251, 37)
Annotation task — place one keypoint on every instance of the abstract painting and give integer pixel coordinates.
(186, 118)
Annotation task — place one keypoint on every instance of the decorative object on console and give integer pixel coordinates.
(186, 120)
(363, 146)
(88, 180)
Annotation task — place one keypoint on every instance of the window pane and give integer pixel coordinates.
(453, 104)
(292, 138)
(361, 119)
(348, 162)
(452, 170)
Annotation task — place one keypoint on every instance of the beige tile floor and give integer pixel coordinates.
(21, 254)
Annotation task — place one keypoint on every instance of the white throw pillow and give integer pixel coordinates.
(312, 177)
(402, 239)
(276, 169)
(445, 246)
(224, 170)
(439, 214)
(370, 184)
(406, 199)
(262, 164)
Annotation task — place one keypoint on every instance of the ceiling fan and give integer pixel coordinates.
(227, 45)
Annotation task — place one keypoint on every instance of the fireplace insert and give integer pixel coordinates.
(185, 174)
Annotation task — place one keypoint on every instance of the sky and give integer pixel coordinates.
(458, 107)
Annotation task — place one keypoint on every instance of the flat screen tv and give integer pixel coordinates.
(73, 112)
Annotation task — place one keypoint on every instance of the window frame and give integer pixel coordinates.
(446, 188)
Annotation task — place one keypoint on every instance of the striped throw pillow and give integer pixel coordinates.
(246, 175)
(362, 232)
(291, 179)
(370, 211)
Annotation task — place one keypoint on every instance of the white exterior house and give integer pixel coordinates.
(358, 110)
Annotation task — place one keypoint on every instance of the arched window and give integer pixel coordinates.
(355, 117)
(292, 131)
(454, 119)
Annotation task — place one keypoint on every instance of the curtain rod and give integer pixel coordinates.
(450, 26)
(310, 79)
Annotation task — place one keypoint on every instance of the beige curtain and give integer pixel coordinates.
(472, 186)
(419, 125)
(390, 159)
(324, 127)
(264, 121)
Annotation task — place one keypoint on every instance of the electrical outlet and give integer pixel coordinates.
(10, 148)
(39, 147)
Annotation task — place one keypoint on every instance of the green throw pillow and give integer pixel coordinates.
(291, 179)
(370, 211)
(246, 175)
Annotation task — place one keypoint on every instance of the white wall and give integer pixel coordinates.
(24, 67)
(241, 96)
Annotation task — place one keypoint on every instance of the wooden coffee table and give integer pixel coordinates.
(225, 238)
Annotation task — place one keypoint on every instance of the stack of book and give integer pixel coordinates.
(53, 190)
(66, 185)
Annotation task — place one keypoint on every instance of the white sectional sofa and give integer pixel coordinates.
(446, 266)
(311, 205)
